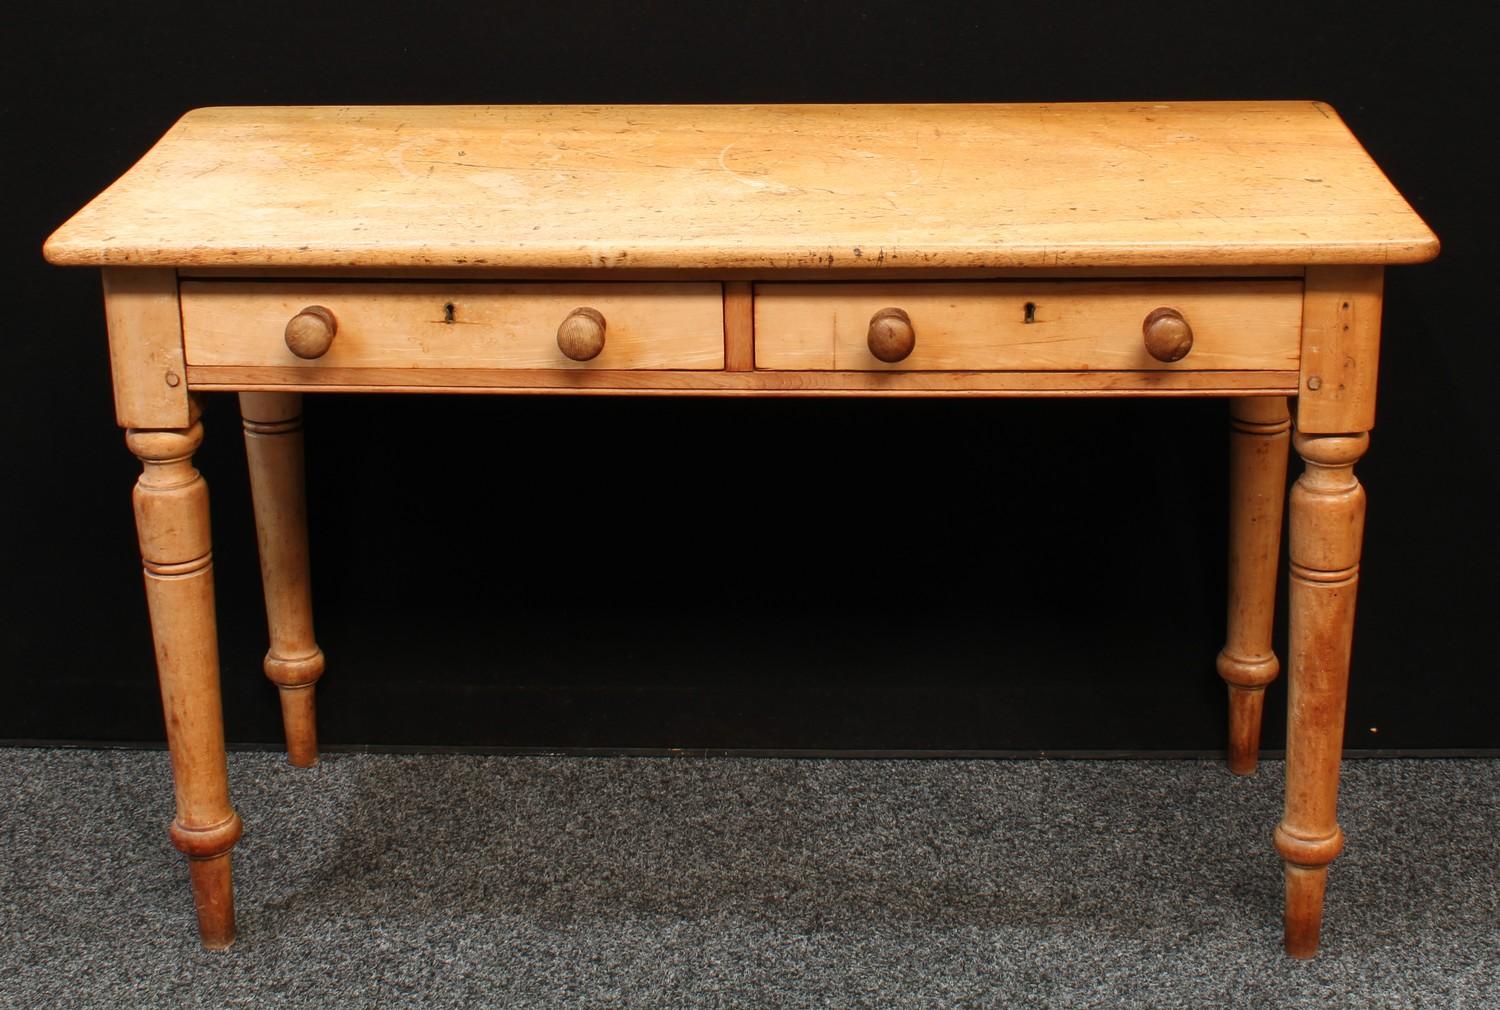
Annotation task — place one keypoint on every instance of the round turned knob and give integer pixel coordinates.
(1168, 335)
(891, 335)
(310, 332)
(581, 335)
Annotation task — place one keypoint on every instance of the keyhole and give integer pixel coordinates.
(448, 312)
(1030, 313)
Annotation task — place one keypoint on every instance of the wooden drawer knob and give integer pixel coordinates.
(581, 335)
(891, 337)
(1168, 335)
(310, 332)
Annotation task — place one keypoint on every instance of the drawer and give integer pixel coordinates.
(458, 325)
(1065, 326)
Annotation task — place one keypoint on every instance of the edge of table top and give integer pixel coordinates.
(861, 188)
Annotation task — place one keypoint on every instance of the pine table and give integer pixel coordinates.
(1218, 249)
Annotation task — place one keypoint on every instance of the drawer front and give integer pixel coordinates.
(1029, 326)
(462, 325)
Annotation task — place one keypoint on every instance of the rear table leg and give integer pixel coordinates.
(273, 445)
(1259, 435)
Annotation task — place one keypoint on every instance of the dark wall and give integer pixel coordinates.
(1057, 580)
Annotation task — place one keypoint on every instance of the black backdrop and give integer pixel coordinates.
(740, 585)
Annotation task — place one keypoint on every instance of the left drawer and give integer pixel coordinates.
(459, 325)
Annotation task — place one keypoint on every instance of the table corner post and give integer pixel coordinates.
(171, 511)
(1325, 533)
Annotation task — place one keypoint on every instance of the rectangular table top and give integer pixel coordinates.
(752, 187)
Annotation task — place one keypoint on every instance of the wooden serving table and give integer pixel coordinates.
(1194, 249)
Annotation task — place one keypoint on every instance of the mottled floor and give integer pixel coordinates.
(457, 880)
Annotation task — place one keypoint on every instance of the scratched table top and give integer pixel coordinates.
(751, 187)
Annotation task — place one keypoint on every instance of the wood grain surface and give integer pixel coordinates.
(481, 325)
(760, 187)
(1036, 326)
(762, 382)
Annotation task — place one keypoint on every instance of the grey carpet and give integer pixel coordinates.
(456, 880)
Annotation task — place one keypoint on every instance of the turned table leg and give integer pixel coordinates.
(1326, 529)
(1258, 437)
(171, 514)
(273, 444)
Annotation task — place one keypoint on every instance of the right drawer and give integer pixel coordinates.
(1040, 326)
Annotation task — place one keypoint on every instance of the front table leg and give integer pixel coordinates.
(1327, 526)
(171, 514)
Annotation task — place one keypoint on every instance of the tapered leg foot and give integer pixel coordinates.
(171, 512)
(300, 724)
(1327, 528)
(1246, 706)
(213, 894)
(273, 445)
(1304, 908)
(1259, 434)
